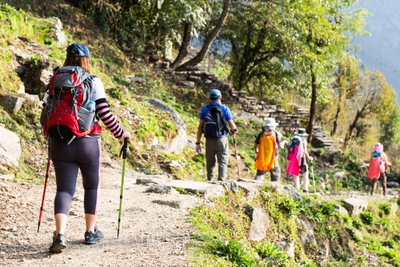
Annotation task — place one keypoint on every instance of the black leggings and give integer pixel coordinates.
(82, 154)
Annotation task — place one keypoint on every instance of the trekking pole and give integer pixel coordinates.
(236, 154)
(123, 152)
(312, 174)
(46, 181)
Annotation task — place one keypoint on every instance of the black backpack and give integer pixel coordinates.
(215, 124)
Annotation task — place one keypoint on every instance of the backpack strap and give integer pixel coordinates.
(224, 121)
(221, 115)
(88, 89)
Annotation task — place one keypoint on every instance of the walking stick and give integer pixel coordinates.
(312, 174)
(46, 181)
(123, 152)
(236, 154)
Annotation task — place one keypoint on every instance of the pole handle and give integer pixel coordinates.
(124, 149)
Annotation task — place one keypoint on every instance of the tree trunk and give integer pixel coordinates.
(209, 39)
(351, 129)
(335, 122)
(183, 50)
(312, 105)
(338, 111)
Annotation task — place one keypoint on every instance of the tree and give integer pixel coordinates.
(391, 138)
(148, 25)
(260, 38)
(376, 98)
(390, 128)
(347, 80)
(325, 32)
(209, 38)
(294, 45)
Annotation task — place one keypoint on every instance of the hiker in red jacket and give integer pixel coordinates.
(378, 164)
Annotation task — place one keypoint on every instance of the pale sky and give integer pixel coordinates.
(381, 50)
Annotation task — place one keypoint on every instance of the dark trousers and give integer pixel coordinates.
(82, 154)
(374, 182)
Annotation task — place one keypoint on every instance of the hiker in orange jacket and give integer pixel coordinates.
(378, 164)
(266, 147)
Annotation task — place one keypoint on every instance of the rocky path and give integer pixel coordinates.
(151, 233)
(154, 227)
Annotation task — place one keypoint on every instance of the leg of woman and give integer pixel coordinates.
(89, 164)
(89, 158)
(260, 175)
(373, 185)
(276, 172)
(296, 182)
(383, 182)
(306, 180)
(66, 175)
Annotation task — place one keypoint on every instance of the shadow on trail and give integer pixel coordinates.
(25, 253)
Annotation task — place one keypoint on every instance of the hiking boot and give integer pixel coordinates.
(59, 243)
(93, 238)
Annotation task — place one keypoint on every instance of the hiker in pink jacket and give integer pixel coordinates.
(297, 156)
(378, 164)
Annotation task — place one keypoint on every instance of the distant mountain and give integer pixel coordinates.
(381, 50)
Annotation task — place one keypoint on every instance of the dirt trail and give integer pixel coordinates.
(150, 234)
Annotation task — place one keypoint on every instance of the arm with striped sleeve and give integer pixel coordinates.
(104, 113)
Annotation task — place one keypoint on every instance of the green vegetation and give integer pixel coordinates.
(222, 228)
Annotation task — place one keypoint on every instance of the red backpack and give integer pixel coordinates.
(69, 112)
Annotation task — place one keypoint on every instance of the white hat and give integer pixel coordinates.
(270, 122)
(301, 132)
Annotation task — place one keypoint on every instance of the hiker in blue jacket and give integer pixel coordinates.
(216, 145)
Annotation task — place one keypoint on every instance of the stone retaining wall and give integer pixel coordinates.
(288, 121)
(195, 78)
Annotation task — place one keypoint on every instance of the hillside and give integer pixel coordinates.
(303, 229)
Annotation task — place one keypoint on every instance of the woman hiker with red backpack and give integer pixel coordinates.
(378, 164)
(81, 153)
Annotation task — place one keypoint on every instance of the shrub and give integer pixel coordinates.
(357, 224)
(272, 255)
(319, 152)
(287, 207)
(386, 208)
(367, 217)
(235, 251)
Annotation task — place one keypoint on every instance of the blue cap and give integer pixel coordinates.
(215, 93)
(80, 49)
